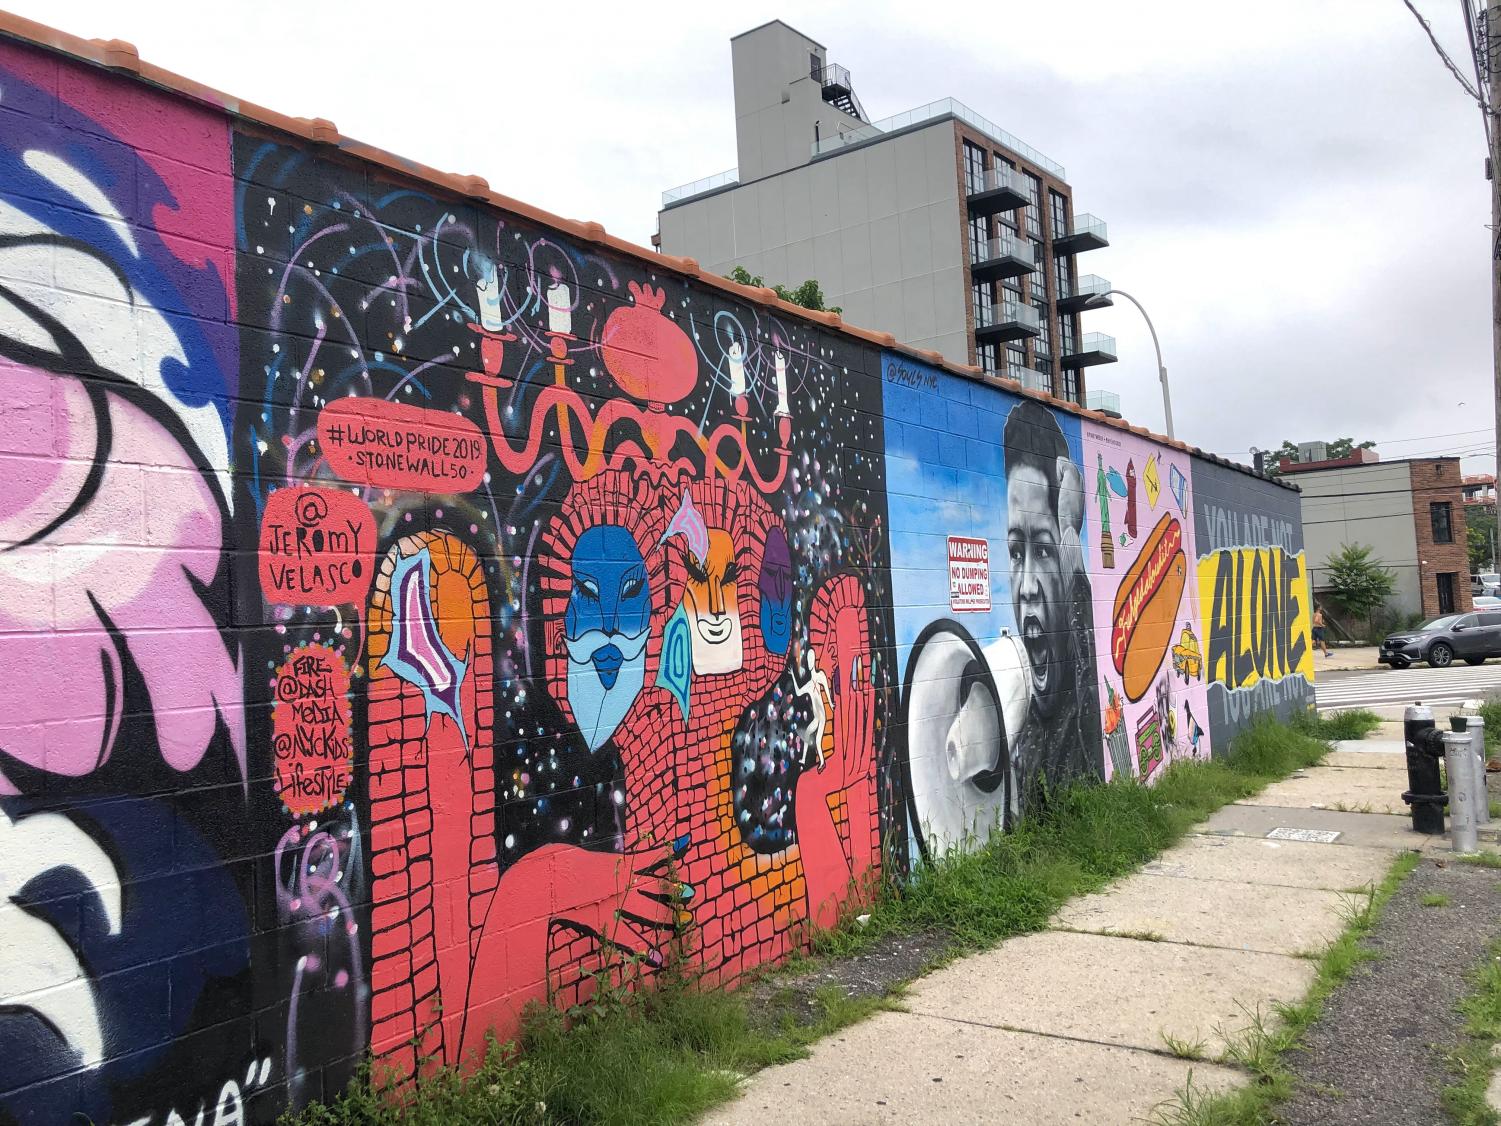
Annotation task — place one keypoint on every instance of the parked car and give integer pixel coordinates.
(1484, 601)
(1486, 582)
(1470, 637)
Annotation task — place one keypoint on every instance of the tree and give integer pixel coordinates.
(1288, 451)
(809, 295)
(1480, 526)
(1358, 584)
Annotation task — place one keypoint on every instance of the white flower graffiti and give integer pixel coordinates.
(41, 970)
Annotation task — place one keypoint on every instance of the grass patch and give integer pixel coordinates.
(1354, 723)
(1184, 1048)
(1435, 899)
(1490, 711)
(1473, 1062)
(1262, 1044)
(668, 1054)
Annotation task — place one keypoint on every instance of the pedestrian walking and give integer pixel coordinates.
(1318, 630)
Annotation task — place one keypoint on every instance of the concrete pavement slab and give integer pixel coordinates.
(1260, 861)
(1120, 990)
(1378, 753)
(1364, 791)
(902, 1067)
(1237, 916)
(1374, 830)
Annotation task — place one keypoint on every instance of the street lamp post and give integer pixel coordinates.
(1167, 402)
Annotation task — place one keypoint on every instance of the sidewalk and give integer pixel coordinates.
(1068, 1025)
(1362, 657)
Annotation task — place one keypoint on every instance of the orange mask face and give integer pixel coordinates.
(712, 597)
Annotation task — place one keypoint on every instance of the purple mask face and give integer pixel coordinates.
(775, 585)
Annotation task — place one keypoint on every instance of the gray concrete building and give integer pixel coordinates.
(934, 225)
(1410, 512)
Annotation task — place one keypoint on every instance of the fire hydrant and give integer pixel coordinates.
(1424, 744)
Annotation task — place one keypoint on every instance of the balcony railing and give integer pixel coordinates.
(980, 181)
(1086, 232)
(1095, 348)
(1007, 321)
(1004, 256)
(832, 75)
(993, 190)
(699, 187)
(1106, 402)
(834, 81)
(1030, 378)
(1089, 292)
(946, 107)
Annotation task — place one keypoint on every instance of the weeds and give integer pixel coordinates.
(1139, 935)
(1473, 1062)
(1490, 711)
(1184, 1049)
(668, 1053)
(1435, 899)
(1355, 723)
(1261, 1046)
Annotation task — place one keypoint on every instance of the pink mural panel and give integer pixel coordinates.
(1150, 657)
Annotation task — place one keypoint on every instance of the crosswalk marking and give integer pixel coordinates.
(1434, 686)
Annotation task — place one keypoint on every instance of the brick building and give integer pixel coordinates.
(1411, 512)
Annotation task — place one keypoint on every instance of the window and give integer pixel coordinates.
(1034, 207)
(1071, 384)
(984, 298)
(1446, 592)
(1438, 517)
(1045, 367)
(1016, 363)
(1063, 267)
(989, 361)
(1057, 213)
(1043, 344)
(1066, 336)
(1038, 278)
(974, 168)
(979, 235)
(1491, 620)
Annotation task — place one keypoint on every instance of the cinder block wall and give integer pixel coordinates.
(413, 605)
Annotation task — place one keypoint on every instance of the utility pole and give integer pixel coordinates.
(1485, 48)
(1482, 20)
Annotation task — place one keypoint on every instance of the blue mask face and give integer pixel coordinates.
(605, 629)
(775, 585)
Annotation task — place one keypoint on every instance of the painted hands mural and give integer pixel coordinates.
(408, 612)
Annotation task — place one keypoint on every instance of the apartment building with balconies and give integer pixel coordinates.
(935, 225)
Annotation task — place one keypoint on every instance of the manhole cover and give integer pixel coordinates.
(1318, 836)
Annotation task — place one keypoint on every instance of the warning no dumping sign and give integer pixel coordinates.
(969, 574)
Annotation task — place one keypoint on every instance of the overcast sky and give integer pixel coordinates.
(1293, 187)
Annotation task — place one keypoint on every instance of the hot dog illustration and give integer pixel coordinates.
(1146, 607)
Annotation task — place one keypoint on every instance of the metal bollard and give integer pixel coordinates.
(1461, 791)
(1474, 726)
(1424, 793)
(1476, 729)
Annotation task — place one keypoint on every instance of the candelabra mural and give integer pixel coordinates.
(625, 598)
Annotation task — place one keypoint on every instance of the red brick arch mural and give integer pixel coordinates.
(410, 611)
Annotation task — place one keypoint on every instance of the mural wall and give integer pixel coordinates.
(1253, 587)
(408, 612)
